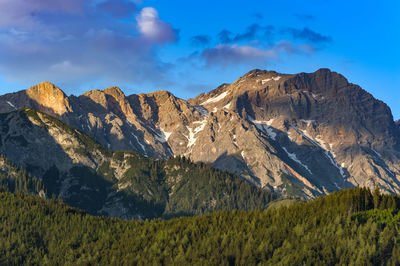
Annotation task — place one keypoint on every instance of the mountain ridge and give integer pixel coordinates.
(50, 157)
(303, 134)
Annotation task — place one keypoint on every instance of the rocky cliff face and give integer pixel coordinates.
(304, 134)
(124, 184)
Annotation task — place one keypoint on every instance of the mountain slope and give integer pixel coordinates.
(305, 134)
(118, 183)
(348, 227)
(16, 179)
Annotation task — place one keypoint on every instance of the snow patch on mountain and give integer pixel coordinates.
(216, 98)
(200, 128)
(164, 135)
(140, 144)
(194, 131)
(265, 126)
(264, 81)
(191, 138)
(227, 106)
(322, 145)
(294, 158)
(12, 105)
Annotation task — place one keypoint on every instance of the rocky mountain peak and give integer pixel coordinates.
(116, 92)
(303, 134)
(46, 88)
(160, 95)
(95, 96)
(164, 106)
(110, 99)
(49, 96)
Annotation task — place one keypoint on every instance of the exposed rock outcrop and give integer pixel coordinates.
(303, 134)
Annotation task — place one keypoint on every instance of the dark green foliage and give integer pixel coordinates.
(90, 190)
(342, 228)
(179, 187)
(16, 179)
(199, 188)
(106, 171)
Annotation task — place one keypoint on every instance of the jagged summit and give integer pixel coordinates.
(303, 134)
(48, 96)
(116, 92)
(158, 94)
(46, 88)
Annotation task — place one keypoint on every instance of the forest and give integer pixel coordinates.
(351, 226)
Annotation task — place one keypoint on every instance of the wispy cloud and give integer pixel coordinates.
(258, 44)
(252, 32)
(225, 55)
(200, 40)
(308, 35)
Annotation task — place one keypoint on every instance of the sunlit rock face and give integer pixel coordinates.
(49, 96)
(303, 134)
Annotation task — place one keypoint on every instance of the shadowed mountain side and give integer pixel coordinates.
(121, 183)
(103, 124)
(306, 166)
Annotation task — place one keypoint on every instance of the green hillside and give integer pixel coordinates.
(352, 226)
(16, 179)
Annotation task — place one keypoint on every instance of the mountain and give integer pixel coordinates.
(303, 135)
(51, 158)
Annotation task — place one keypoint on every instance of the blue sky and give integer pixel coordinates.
(189, 47)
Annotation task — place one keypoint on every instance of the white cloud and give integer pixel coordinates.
(150, 25)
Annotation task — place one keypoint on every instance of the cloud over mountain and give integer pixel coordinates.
(81, 39)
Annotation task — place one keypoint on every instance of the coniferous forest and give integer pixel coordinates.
(353, 226)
